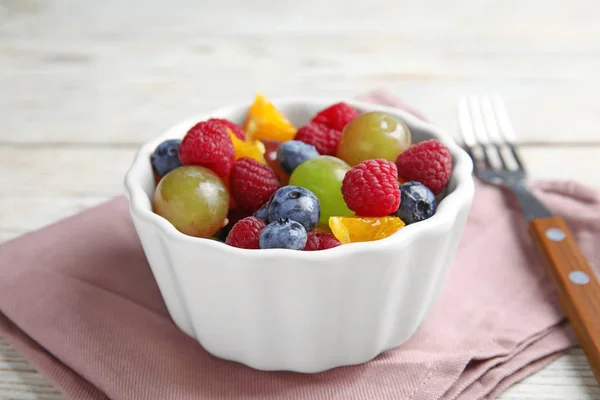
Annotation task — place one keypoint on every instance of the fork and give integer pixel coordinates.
(490, 141)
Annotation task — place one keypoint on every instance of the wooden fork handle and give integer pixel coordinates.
(576, 283)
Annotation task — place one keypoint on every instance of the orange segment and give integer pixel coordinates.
(364, 229)
(265, 122)
(254, 149)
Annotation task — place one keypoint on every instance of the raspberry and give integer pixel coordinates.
(245, 233)
(336, 116)
(371, 188)
(428, 162)
(324, 139)
(320, 241)
(208, 144)
(325, 129)
(252, 183)
(235, 128)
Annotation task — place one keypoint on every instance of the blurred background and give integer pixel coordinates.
(119, 72)
(83, 83)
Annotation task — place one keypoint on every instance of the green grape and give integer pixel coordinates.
(194, 199)
(373, 135)
(323, 175)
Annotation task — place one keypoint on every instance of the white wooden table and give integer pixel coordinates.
(83, 83)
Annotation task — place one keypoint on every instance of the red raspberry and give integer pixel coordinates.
(320, 241)
(371, 188)
(325, 139)
(428, 162)
(336, 116)
(208, 144)
(245, 233)
(235, 128)
(252, 183)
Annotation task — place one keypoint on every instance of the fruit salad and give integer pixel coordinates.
(345, 176)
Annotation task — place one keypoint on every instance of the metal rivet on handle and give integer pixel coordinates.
(579, 277)
(555, 234)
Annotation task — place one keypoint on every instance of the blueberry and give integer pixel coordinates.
(263, 212)
(296, 203)
(283, 234)
(292, 153)
(165, 158)
(417, 202)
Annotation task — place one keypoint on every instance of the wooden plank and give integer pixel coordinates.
(73, 73)
(542, 112)
(21, 214)
(66, 172)
(19, 380)
(569, 377)
(562, 20)
(6, 235)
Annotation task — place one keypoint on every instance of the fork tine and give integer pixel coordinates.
(465, 125)
(478, 125)
(506, 130)
(474, 149)
(504, 154)
(486, 134)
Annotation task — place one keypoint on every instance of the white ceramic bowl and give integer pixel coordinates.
(301, 311)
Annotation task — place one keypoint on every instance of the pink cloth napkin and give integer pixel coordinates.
(78, 300)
